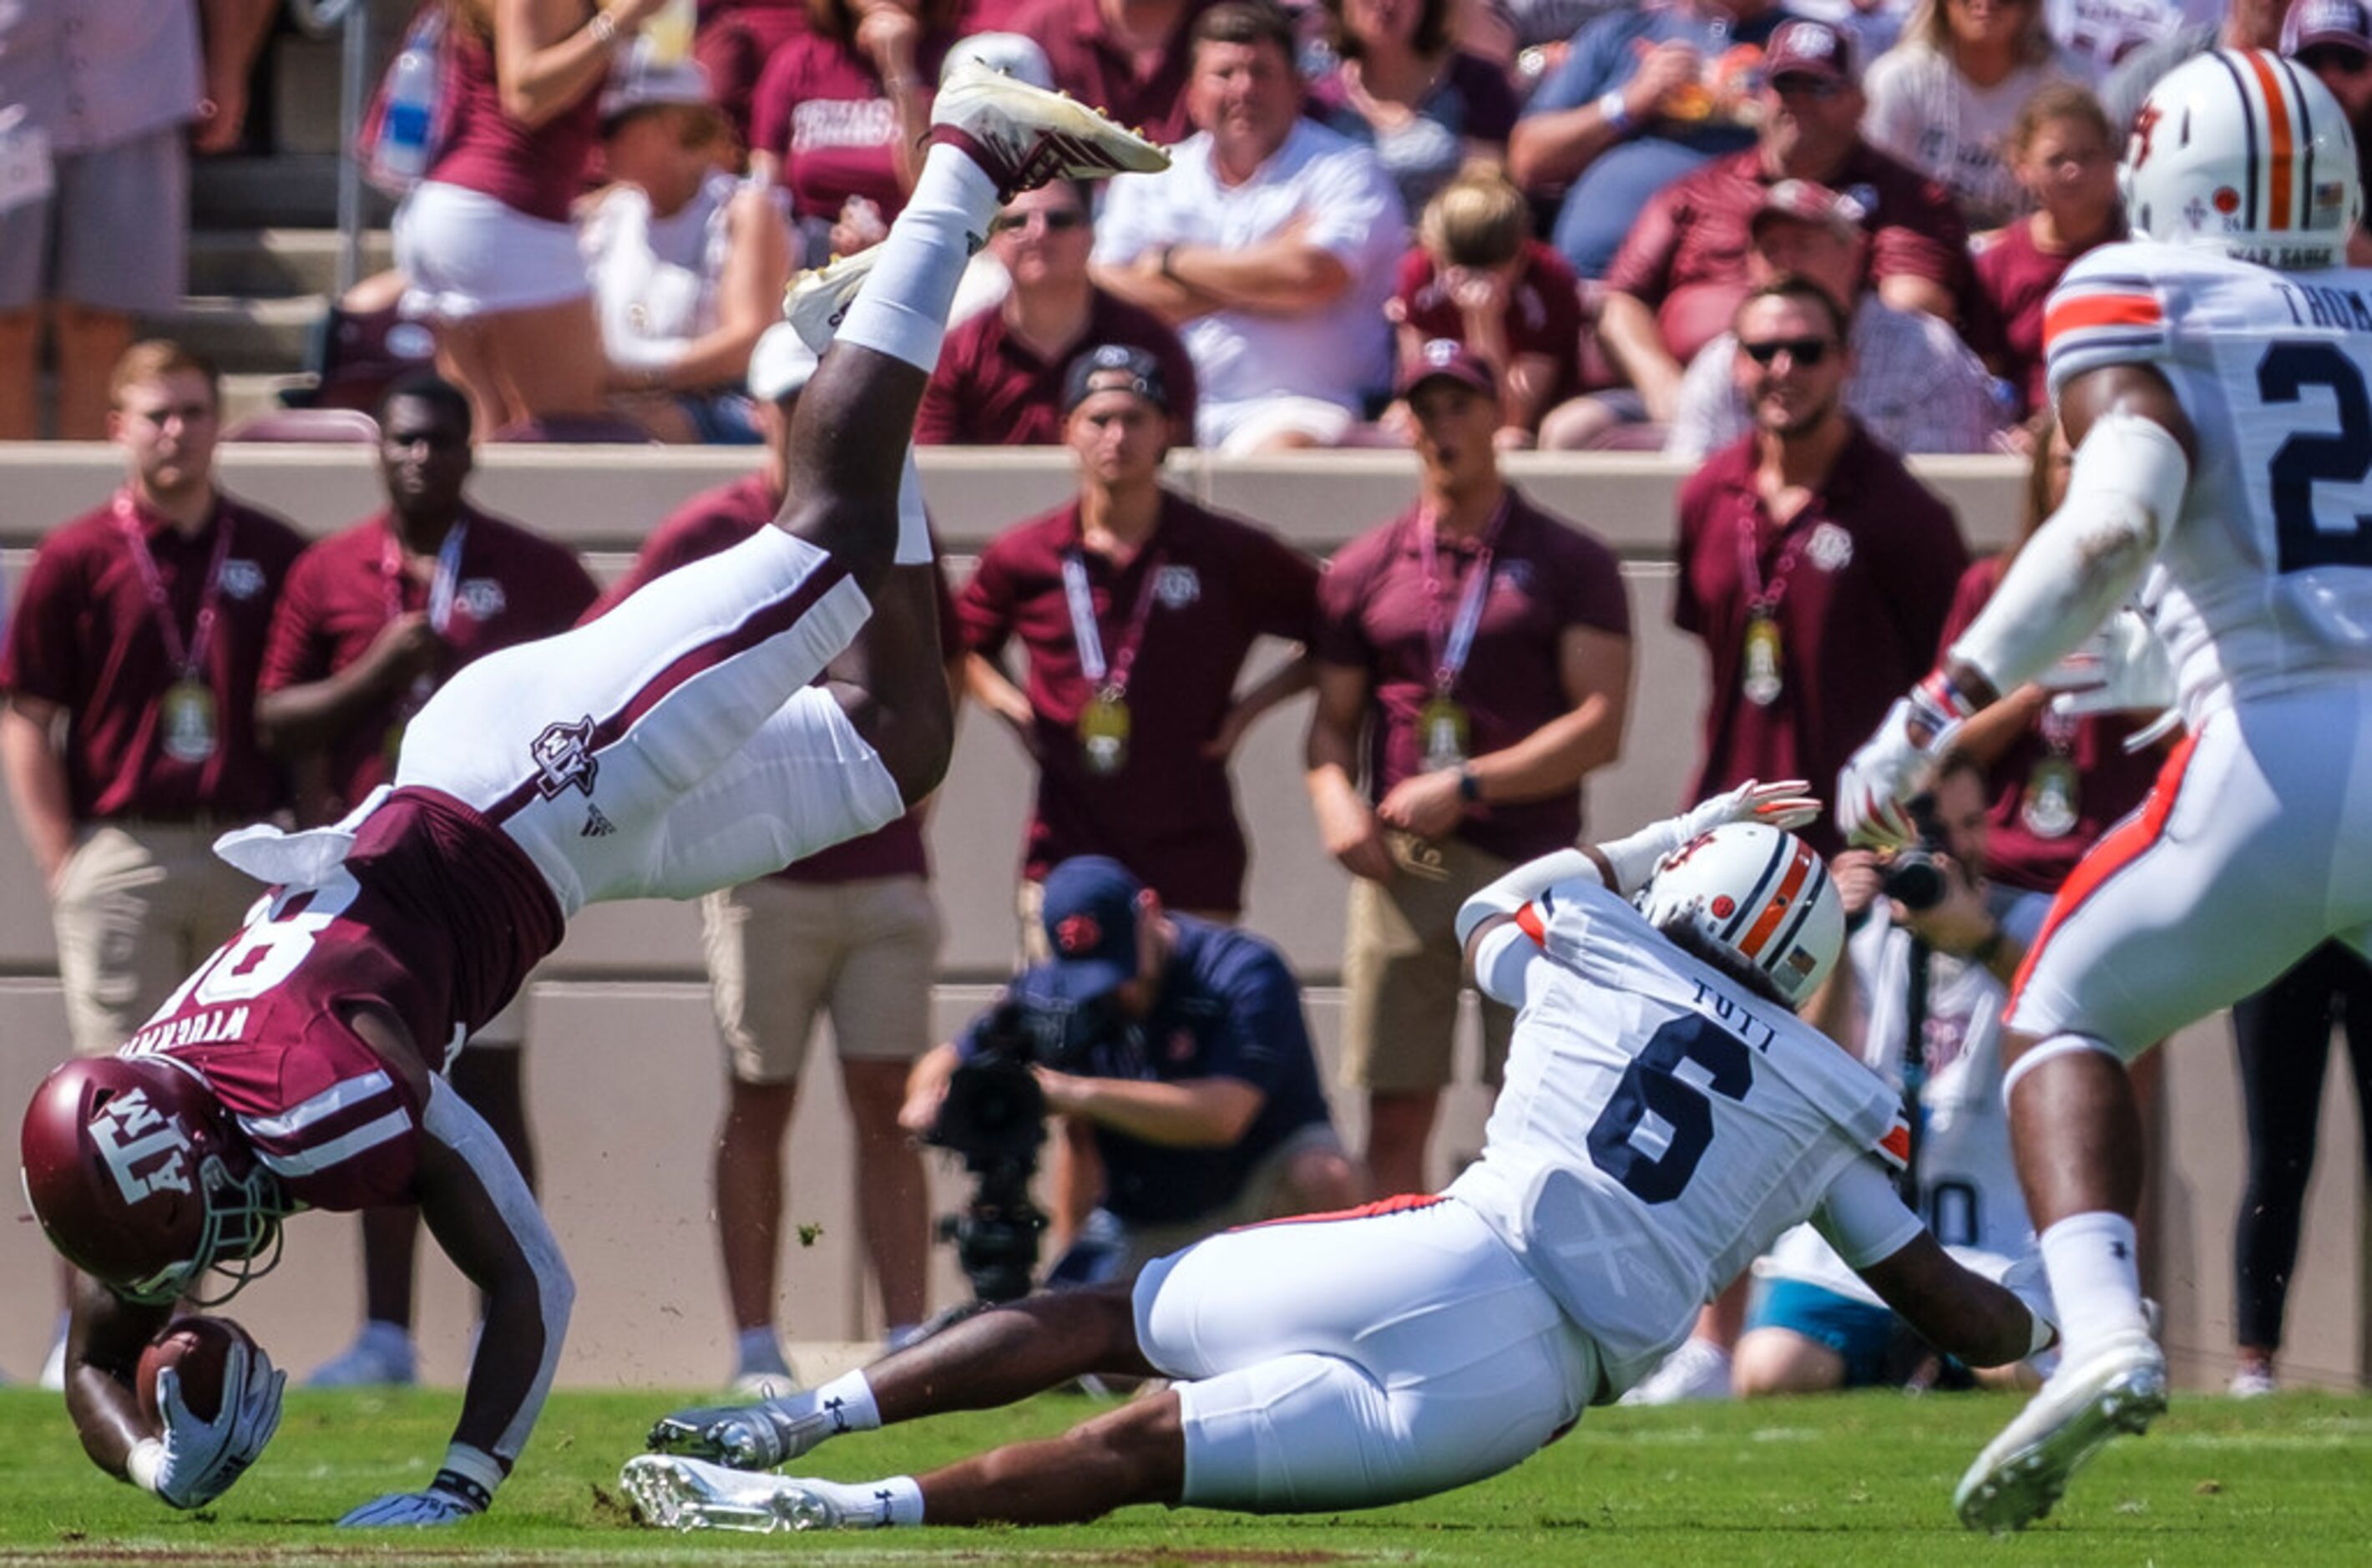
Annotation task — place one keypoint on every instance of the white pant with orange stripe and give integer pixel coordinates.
(1351, 1360)
(2253, 847)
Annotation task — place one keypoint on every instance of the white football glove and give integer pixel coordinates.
(1781, 805)
(450, 1498)
(1886, 771)
(2121, 668)
(196, 1461)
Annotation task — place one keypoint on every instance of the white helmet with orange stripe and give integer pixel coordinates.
(2243, 152)
(1756, 894)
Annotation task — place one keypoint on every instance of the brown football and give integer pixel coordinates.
(198, 1349)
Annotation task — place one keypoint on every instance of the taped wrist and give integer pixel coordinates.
(1634, 856)
(470, 1474)
(142, 1464)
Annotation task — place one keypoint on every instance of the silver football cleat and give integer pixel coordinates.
(674, 1493)
(746, 1438)
(2022, 1472)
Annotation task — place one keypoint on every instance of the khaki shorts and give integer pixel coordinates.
(1262, 1197)
(1403, 971)
(138, 906)
(781, 952)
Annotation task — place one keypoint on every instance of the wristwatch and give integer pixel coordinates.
(1470, 788)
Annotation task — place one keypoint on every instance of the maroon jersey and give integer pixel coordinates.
(88, 636)
(511, 587)
(819, 107)
(1142, 90)
(2040, 827)
(1203, 588)
(1686, 253)
(1543, 314)
(2013, 280)
(436, 916)
(1378, 616)
(537, 171)
(992, 389)
(1857, 584)
(716, 520)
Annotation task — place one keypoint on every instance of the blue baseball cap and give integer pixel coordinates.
(1090, 917)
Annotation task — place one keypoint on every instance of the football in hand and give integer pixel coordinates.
(198, 1349)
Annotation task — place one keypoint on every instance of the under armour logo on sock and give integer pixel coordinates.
(882, 1496)
(2119, 1252)
(596, 825)
(833, 1406)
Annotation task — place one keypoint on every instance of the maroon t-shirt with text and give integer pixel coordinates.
(2110, 780)
(1862, 577)
(716, 520)
(1546, 576)
(85, 636)
(819, 107)
(1685, 255)
(513, 587)
(992, 389)
(1219, 585)
(1145, 91)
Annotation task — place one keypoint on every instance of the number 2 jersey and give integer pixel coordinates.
(2264, 583)
(1660, 1126)
(434, 914)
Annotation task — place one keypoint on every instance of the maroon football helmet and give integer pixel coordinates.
(138, 1176)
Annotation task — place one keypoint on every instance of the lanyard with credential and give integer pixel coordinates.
(1762, 672)
(442, 581)
(1104, 721)
(1444, 734)
(186, 726)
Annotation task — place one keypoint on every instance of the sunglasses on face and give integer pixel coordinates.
(1820, 87)
(1057, 220)
(1805, 352)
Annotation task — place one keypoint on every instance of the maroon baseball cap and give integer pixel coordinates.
(1447, 359)
(1806, 47)
(2346, 23)
(1809, 201)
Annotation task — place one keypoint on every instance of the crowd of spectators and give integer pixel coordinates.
(609, 201)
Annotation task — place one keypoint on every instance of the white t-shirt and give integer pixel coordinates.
(1337, 353)
(1925, 113)
(2101, 32)
(1660, 1126)
(2264, 583)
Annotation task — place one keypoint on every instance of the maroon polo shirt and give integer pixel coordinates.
(818, 107)
(1546, 576)
(2110, 780)
(992, 389)
(716, 520)
(1168, 814)
(86, 637)
(1144, 91)
(513, 587)
(1686, 253)
(1864, 575)
(2013, 280)
(1543, 314)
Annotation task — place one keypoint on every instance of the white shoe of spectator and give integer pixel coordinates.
(763, 1384)
(1698, 1370)
(2252, 1383)
(380, 1358)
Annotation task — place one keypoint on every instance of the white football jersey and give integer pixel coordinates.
(2264, 583)
(1659, 1126)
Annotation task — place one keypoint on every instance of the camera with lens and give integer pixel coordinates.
(994, 1118)
(1914, 878)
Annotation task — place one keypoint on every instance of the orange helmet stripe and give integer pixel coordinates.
(2277, 113)
(1799, 871)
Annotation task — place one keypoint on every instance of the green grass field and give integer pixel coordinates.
(1863, 1479)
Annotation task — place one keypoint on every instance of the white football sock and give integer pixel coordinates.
(2094, 1280)
(872, 1506)
(913, 522)
(902, 309)
(850, 1398)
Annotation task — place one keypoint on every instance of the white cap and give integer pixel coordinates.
(1017, 55)
(780, 365)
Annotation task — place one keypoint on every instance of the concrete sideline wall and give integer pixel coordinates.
(624, 1075)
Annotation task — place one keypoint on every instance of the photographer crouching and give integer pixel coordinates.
(1932, 952)
(1178, 1046)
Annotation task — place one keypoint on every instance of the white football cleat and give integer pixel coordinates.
(687, 1494)
(2120, 1387)
(818, 300)
(1025, 136)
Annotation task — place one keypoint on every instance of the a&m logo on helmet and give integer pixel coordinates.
(146, 1151)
